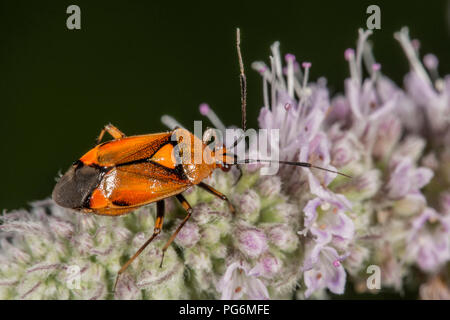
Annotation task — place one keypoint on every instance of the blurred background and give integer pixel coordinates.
(133, 62)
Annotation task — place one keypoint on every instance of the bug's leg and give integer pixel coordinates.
(112, 130)
(157, 229)
(217, 194)
(188, 209)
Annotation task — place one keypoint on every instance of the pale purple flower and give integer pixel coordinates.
(239, 281)
(327, 220)
(329, 227)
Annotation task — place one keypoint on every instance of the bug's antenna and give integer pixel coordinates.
(292, 163)
(243, 80)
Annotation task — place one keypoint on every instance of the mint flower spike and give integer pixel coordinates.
(323, 269)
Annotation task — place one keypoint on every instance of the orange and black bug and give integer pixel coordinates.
(121, 175)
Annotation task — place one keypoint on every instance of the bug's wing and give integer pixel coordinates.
(116, 152)
(127, 187)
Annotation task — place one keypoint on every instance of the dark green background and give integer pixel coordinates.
(134, 61)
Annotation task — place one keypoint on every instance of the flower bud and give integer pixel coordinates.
(210, 235)
(188, 235)
(345, 151)
(121, 234)
(388, 134)
(198, 259)
(269, 265)
(281, 213)
(340, 109)
(412, 147)
(219, 251)
(86, 223)
(95, 291)
(269, 186)
(138, 239)
(102, 238)
(164, 286)
(30, 289)
(91, 273)
(147, 269)
(61, 228)
(202, 213)
(18, 256)
(362, 187)
(84, 243)
(127, 289)
(144, 218)
(445, 164)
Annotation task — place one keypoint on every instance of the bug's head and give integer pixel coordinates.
(74, 187)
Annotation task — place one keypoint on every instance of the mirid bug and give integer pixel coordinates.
(121, 175)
